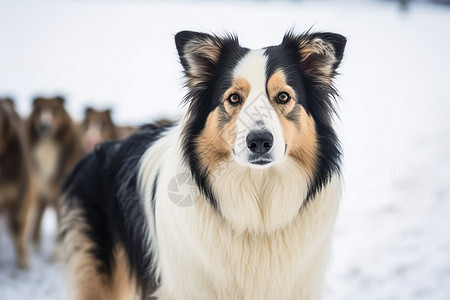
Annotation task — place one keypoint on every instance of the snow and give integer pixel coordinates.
(392, 238)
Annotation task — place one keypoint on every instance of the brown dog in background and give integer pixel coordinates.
(55, 147)
(17, 188)
(97, 127)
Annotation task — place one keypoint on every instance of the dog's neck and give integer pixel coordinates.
(260, 200)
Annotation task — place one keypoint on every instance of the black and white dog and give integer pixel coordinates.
(237, 201)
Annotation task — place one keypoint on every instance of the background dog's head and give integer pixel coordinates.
(260, 107)
(49, 116)
(97, 126)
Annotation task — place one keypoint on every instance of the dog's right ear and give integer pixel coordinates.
(61, 100)
(88, 110)
(37, 100)
(199, 54)
(10, 101)
(108, 113)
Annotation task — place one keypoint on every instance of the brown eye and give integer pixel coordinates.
(283, 97)
(234, 99)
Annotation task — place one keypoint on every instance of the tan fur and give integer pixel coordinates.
(304, 148)
(217, 139)
(301, 136)
(209, 50)
(240, 86)
(54, 153)
(85, 282)
(277, 84)
(164, 122)
(125, 131)
(17, 188)
(214, 141)
(317, 59)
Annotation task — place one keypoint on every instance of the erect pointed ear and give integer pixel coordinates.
(108, 113)
(199, 54)
(60, 99)
(37, 100)
(88, 110)
(10, 101)
(320, 54)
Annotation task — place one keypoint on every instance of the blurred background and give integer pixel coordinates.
(392, 238)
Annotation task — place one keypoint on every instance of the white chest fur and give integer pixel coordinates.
(202, 255)
(46, 155)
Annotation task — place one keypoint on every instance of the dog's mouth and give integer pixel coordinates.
(260, 160)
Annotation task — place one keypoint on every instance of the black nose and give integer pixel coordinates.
(44, 128)
(259, 141)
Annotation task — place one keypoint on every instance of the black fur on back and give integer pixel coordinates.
(103, 186)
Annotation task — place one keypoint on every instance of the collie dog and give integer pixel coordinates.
(17, 189)
(236, 201)
(97, 126)
(55, 149)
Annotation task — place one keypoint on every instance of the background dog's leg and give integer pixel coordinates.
(56, 254)
(41, 206)
(17, 225)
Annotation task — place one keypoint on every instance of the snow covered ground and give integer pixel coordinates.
(392, 237)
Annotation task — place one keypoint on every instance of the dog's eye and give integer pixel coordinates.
(234, 99)
(283, 97)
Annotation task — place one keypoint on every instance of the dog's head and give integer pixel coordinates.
(49, 116)
(258, 108)
(97, 127)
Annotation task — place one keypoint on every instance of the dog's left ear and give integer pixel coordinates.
(88, 110)
(320, 54)
(108, 113)
(10, 102)
(60, 99)
(199, 54)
